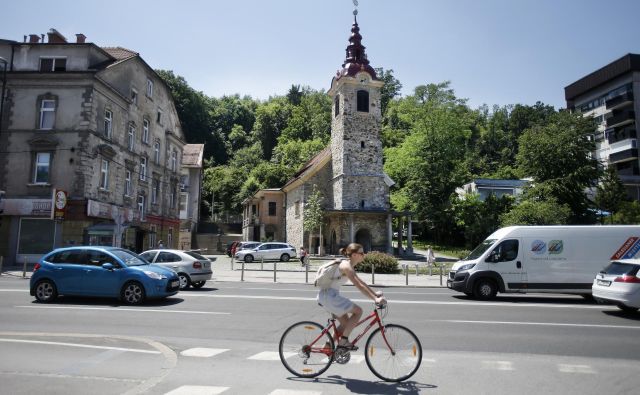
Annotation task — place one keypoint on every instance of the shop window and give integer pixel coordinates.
(36, 236)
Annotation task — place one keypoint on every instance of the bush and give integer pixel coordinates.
(382, 263)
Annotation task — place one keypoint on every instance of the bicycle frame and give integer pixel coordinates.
(375, 319)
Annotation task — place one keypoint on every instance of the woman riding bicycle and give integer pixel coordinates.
(343, 309)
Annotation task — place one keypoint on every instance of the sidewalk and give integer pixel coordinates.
(293, 272)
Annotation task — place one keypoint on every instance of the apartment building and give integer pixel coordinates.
(608, 95)
(97, 126)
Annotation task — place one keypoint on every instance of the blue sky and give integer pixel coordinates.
(493, 51)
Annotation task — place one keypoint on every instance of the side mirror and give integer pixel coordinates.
(107, 266)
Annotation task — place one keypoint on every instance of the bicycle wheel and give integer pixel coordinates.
(305, 351)
(393, 354)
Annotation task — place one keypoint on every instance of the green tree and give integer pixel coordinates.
(310, 119)
(610, 192)
(271, 119)
(390, 89)
(532, 212)
(295, 153)
(477, 219)
(628, 213)
(557, 157)
(313, 213)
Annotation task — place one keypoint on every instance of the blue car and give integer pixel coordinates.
(101, 271)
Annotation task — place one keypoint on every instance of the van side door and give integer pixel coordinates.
(506, 260)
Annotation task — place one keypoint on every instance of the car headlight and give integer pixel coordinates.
(468, 266)
(154, 275)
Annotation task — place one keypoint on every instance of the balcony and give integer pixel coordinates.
(621, 118)
(623, 156)
(620, 101)
(615, 135)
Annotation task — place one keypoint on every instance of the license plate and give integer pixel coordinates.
(604, 283)
(175, 283)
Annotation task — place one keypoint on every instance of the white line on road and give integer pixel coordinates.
(396, 301)
(79, 345)
(123, 309)
(14, 290)
(540, 324)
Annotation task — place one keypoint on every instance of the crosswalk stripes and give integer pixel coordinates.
(567, 368)
(202, 352)
(497, 365)
(197, 390)
(294, 392)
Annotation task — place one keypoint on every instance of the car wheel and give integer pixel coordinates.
(284, 258)
(184, 281)
(627, 309)
(248, 258)
(46, 291)
(485, 289)
(133, 293)
(198, 284)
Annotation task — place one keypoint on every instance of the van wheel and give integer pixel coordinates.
(485, 289)
(627, 309)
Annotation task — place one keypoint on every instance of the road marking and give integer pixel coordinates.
(584, 369)
(270, 356)
(123, 309)
(68, 376)
(14, 290)
(79, 345)
(541, 324)
(356, 358)
(497, 365)
(203, 352)
(396, 301)
(294, 392)
(197, 390)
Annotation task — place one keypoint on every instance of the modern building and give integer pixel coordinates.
(486, 186)
(98, 126)
(608, 95)
(349, 172)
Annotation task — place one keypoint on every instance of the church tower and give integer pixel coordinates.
(358, 181)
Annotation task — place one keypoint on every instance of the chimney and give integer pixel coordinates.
(80, 38)
(55, 37)
(34, 38)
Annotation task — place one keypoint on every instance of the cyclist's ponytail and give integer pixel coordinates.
(350, 249)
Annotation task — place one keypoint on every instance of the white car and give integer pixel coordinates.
(267, 251)
(193, 269)
(619, 283)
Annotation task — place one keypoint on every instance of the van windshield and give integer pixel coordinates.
(479, 250)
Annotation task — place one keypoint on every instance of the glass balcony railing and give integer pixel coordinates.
(622, 156)
(621, 118)
(620, 101)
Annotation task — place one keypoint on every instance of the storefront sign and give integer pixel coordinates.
(109, 211)
(59, 204)
(28, 207)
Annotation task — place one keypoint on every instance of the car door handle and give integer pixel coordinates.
(519, 265)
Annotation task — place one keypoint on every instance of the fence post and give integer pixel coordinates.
(430, 266)
(232, 259)
(441, 264)
(261, 263)
(242, 272)
(1, 263)
(24, 268)
(406, 274)
(274, 271)
(373, 276)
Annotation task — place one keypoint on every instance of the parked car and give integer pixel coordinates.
(247, 245)
(193, 269)
(101, 271)
(267, 251)
(619, 283)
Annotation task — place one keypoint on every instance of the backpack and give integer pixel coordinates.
(326, 274)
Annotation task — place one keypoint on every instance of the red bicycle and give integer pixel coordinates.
(392, 352)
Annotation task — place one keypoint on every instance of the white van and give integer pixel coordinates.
(560, 259)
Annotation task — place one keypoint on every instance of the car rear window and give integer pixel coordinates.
(619, 269)
(195, 255)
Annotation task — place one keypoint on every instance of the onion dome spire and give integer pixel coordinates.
(356, 57)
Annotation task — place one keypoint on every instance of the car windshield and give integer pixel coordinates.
(619, 269)
(479, 250)
(129, 258)
(195, 255)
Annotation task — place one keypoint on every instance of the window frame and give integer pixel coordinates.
(54, 61)
(272, 209)
(362, 100)
(143, 168)
(131, 137)
(104, 175)
(141, 206)
(46, 110)
(145, 130)
(127, 182)
(174, 160)
(156, 152)
(37, 165)
(108, 122)
(155, 190)
(149, 91)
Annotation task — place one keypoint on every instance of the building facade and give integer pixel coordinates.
(191, 175)
(98, 124)
(608, 95)
(349, 172)
(263, 216)
(498, 188)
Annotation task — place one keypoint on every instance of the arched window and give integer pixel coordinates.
(363, 101)
(336, 106)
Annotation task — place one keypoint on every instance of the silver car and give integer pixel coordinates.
(267, 251)
(193, 269)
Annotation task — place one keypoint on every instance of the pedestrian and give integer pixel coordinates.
(160, 244)
(431, 258)
(303, 256)
(342, 308)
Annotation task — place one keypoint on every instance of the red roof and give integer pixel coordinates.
(120, 53)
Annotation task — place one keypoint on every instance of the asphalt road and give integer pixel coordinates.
(224, 338)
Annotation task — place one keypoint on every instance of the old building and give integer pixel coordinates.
(263, 216)
(190, 193)
(349, 172)
(98, 124)
(608, 95)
